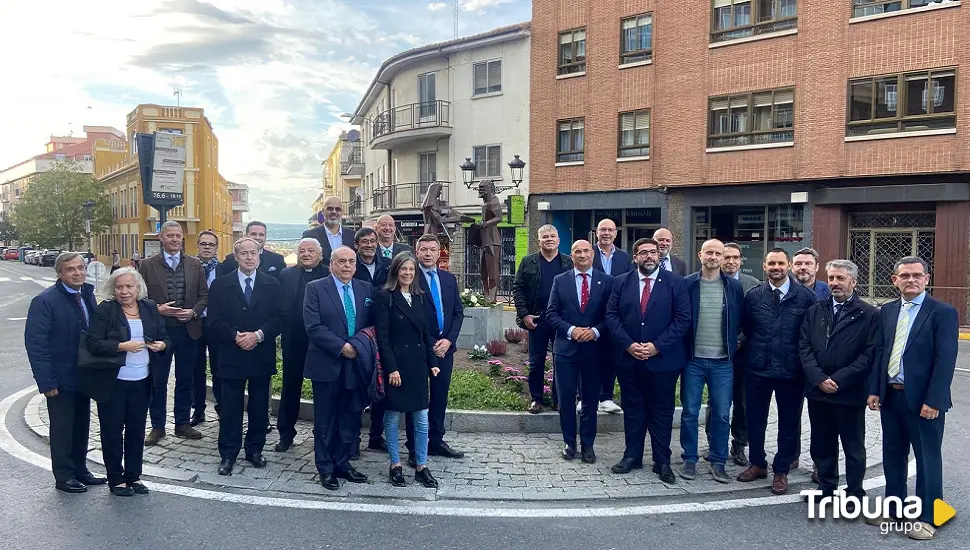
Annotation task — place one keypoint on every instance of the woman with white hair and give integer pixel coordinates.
(125, 327)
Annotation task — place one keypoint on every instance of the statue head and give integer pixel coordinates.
(486, 189)
(432, 196)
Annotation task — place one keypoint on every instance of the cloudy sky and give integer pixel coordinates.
(272, 75)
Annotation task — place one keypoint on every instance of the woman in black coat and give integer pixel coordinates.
(407, 356)
(125, 329)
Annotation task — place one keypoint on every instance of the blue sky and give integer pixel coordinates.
(272, 75)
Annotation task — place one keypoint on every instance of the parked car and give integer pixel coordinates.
(48, 258)
(11, 254)
(29, 256)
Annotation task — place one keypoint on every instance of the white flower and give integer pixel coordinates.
(474, 299)
(466, 291)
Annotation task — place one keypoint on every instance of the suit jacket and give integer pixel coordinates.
(929, 358)
(326, 326)
(666, 322)
(229, 314)
(52, 333)
(406, 346)
(452, 310)
(290, 280)
(109, 328)
(270, 263)
(563, 311)
(380, 272)
(677, 265)
(747, 281)
(319, 233)
(196, 288)
(620, 265)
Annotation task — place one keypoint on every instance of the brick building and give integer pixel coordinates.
(767, 122)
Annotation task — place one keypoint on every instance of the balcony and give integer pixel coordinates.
(354, 209)
(765, 26)
(430, 119)
(239, 205)
(353, 166)
(404, 196)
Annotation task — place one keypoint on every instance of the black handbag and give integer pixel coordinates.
(88, 361)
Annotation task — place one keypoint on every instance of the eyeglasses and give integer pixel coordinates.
(334, 209)
(645, 253)
(208, 245)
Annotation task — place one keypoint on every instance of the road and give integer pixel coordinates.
(35, 516)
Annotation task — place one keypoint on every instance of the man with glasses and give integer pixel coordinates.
(270, 262)
(332, 235)
(208, 244)
(371, 266)
(614, 262)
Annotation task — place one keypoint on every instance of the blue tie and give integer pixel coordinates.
(435, 296)
(349, 311)
(248, 292)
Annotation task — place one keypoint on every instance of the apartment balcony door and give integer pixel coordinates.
(428, 170)
(427, 97)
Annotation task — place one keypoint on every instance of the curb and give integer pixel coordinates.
(964, 336)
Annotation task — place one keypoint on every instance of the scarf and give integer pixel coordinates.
(378, 371)
(209, 266)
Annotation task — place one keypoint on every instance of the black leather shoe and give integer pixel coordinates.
(626, 465)
(378, 444)
(330, 482)
(445, 450)
(588, 456)
(352, 476)
(665, 473)
(270, 428)
(412, 461)
(225, 467)
(283, 446)
(738, 456)
(257, 460)
(396, 475)
(569, 452)
(139, 488)
(425, 478)
(90, 479)
(71, 486)
(196, 420)
(120, 491)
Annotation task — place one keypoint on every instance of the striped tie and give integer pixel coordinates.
(899, 342)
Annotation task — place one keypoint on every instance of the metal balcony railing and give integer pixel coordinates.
(354, 208)
(405, 195)
(414, 116)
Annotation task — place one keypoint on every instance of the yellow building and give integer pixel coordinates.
(342, 173)
(207, 202)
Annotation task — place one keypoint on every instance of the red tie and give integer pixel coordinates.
(584, 293)
(84, 315)
(644, 297)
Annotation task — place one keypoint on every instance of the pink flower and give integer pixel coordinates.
(546, 389)
(495, 362)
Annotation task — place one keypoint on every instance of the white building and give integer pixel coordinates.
(429, 108)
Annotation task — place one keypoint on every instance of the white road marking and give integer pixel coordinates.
(16, 318)
(962, 370)
(17, 450)
(4, 279)
(26, 278)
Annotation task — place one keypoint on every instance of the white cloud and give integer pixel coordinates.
(480, 5)
(437, 6)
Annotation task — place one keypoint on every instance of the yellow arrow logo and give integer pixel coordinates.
(942, 512)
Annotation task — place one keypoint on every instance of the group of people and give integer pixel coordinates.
(645, 321)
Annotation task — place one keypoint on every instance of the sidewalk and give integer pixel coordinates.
(497, 466)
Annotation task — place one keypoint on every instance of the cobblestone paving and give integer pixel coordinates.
(496, 466)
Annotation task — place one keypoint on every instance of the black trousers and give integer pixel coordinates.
(437, 405)
(739, 422)
(231, 416)
(539, 340)
(122, 419)
(377, 411)
(578, 373)
(70, 423)
(788, 400)
(206, 343)
(648, 407)
(184, 349)
(607, 372)
(902, 428)
(336, 426)
(830, 423)
(294, 358)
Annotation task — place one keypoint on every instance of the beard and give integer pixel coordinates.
(647, 269)
(332, 223)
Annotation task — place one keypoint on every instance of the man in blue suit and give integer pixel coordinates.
(577, 312)
(334, 310)
(648, 316)
(614, 262)
(910, 386)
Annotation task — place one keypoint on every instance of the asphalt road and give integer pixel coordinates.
(35, 516)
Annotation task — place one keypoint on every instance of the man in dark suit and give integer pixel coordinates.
(577, 312)
(614, 262)
(270, 262)
(648, 316)
(208, 244)
(293, 281)
(334, 310)
(386, 238)
(177, 283)
(246, 313)
(804, 266)
(445, 315)
(332, 235)
(910, 386)
(56, 319)
(668, 261)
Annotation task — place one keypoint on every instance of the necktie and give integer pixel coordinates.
(663, 264)
(387, 252)
(776, 296)
(349, 311)
(584, 293)
(173, 261)
(899, 342)
(838, 312)
(248, 292)
(436, 298)
(644, 297)
(80, 304)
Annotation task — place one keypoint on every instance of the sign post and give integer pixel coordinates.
(161, 159)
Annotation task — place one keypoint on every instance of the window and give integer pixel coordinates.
(170, 130)
(634, 134)
(862, 8)
(571, 138)
(488, 77)
(488, 161)
(124, 246)
(426, 95)
(902, 103)
(636, 39)
(428, 169)
(751, 119)
(742, 18)
(572, 51)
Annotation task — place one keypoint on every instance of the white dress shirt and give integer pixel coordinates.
(784, 288)
(242, 286)
(652, 278)
(577, 275)
(169, 257)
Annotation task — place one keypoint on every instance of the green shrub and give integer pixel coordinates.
(471, 390)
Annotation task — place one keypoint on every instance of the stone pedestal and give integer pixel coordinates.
(481, 325)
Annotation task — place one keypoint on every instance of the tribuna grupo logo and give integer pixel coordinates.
(896, 514)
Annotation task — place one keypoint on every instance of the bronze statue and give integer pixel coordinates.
(437, 214)
(491, 239)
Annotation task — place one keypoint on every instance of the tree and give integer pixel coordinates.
(51, 212)
(8, 232)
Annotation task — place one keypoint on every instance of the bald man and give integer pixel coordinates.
(386, 233)
(332, 234)
(669, 262)
(577, 313)
(712, 340)
(614, 262)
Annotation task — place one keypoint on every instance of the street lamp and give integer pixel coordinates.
(88, 215)
(517, 166)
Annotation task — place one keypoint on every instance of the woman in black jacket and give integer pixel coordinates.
(125, 328)
(406, 349)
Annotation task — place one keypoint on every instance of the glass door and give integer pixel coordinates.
(427, 170)
(426, 97)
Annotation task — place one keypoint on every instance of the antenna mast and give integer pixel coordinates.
(457, 3)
